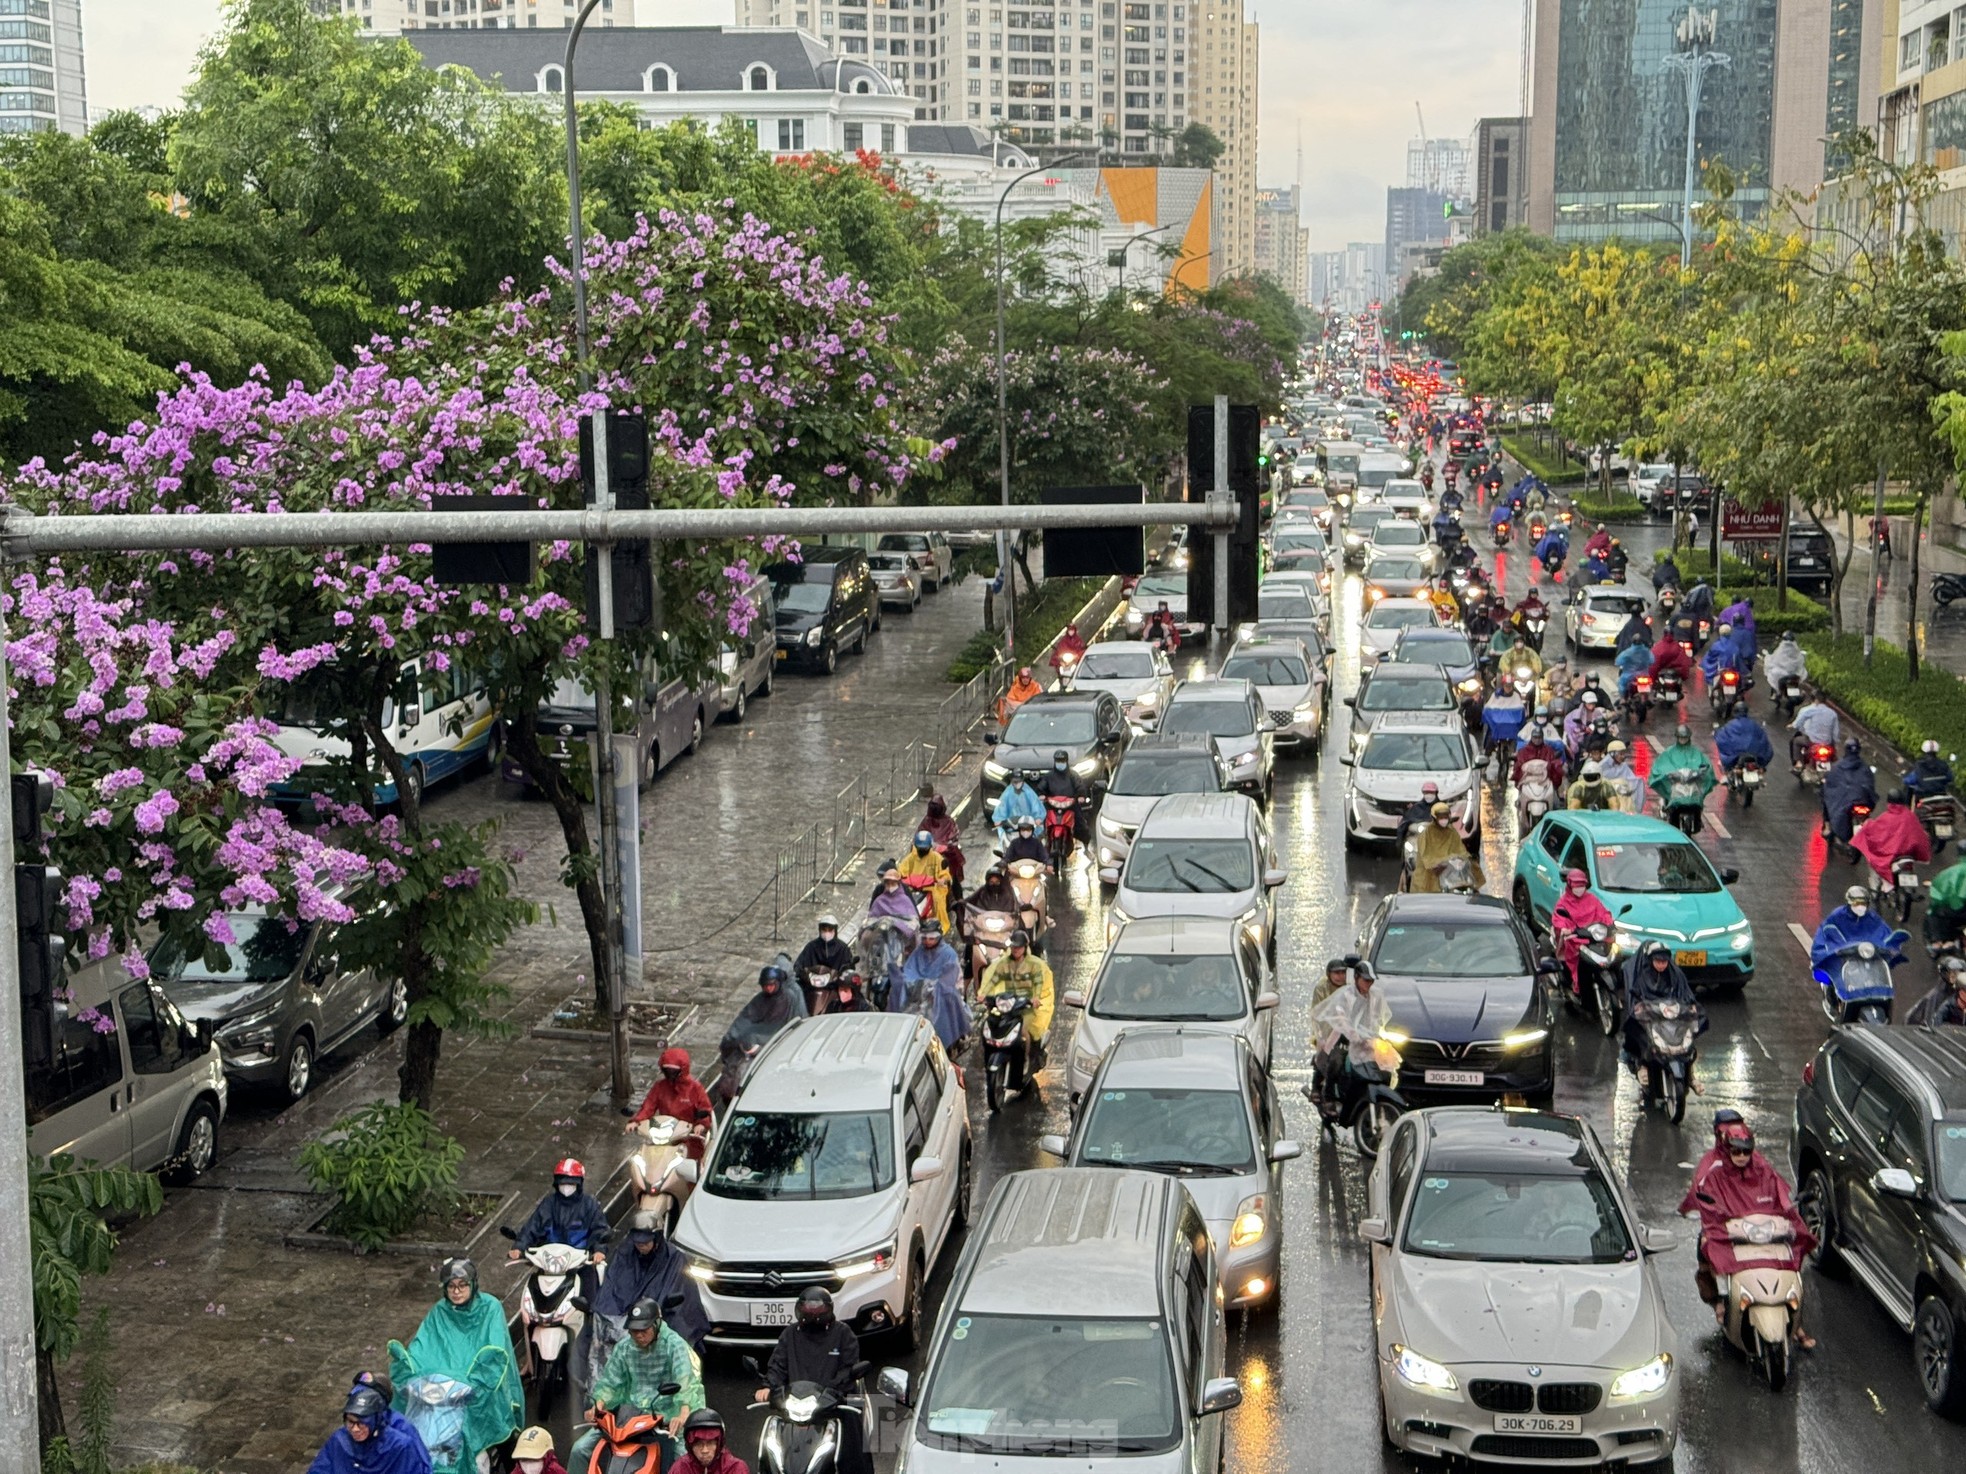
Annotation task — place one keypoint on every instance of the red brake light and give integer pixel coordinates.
(1730, 678)
(1809, 1073)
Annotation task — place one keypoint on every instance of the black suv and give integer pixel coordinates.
(826, 603)
(1089, 726)
(1880, 1167)
(1812, 560)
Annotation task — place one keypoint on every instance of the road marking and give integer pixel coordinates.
(1802, 938)
(1713, 823)
(1762, 1047)
(1657, 745)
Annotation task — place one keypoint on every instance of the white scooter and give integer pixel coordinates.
(549, 1318)
(1535, 794)
(661, 1167)
(1763, 1297)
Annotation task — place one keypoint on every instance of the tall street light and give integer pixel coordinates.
(605, 798)
(1003, 412)
(1125, 252)
(1693, 61)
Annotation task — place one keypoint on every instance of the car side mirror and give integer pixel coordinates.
(893, 1382)
(1346, 759)
(1728, 875)
(1219, 1394)
(1274, 878)
(1073, 999)
(1895, 1181)
(1267, 1001)
(687, 1170)
(1286, 1151)
(1351, 701)
(1626, 909)
(926, 1169)
(990, 739)
(1052, 1144)
(1374, 1231)
(1656, 1240)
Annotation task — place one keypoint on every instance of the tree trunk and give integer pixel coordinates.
(48, 1394)
(583, 867)
(1021, 551)
(416, 1081)
(1911, 593)
(1840, 571)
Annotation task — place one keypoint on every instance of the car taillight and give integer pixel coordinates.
(1588, 619)
(1809, 1073)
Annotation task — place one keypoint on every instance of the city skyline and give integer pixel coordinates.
(1314, 55)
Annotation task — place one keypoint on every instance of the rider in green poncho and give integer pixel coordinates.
(1945, 903)
(1684, 758)
(464, 1337)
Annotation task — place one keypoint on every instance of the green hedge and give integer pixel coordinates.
(1619, 509)
(1696, 564)
(1039, 619)
(1804, 615)
(1553, 466)
(1883, 697)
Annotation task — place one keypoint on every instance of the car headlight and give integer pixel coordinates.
(1244, 760)
(1742, 941)
(1084, 1060)
(701, 1271)
(1252, 922)
(995, 770)
(1394, 1036)
(865, 1261)
(250, 1031)
(1523, 1038)
(1626, 941)
(1306, 710)
(1468, 687)
(1085, 767)
(1417, 1371)
(1147, 698)
(1646, 1380)
(814, 636)
(1250, 1222)
(1109, 830)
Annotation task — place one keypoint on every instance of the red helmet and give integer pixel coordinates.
(570, 1167)
(1735, 1136)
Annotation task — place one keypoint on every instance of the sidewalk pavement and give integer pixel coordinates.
(231, 1351)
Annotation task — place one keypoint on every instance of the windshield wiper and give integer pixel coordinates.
(1181, 1169)
(1220, 880)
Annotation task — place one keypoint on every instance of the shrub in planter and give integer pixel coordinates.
(387, 1166)
(1883, 697)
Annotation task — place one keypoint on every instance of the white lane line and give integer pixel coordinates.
(1657, 745)
(1802, 938)
(1762, 1047)
(1713, 823)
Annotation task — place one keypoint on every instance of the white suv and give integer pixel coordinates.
(845, 1161)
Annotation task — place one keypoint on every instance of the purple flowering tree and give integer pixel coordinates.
(765, 378)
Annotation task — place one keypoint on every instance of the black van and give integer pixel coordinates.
(826, 603)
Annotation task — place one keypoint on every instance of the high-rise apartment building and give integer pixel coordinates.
(1283, 242)
(1414, 217)
(1607, 127)
(1224, 99)
(916, 43)
(42, 84)
(1498, 175)
(1439, 164)
(393, 17)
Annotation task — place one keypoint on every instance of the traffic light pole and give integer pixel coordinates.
(1220, 495)
(20, 1424)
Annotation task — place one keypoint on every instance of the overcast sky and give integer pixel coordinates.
(1348, 71)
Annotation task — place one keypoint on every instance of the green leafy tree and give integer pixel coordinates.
(68, 1205)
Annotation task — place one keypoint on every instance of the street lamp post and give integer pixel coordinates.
(1693, 61)
(1126, 251)
(615, 979)
(1003, 414)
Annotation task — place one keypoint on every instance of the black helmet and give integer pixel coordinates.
(1683, 733)
(458, 1269)
(1723, 1118)
(1853, 748)
(368, 1406)
(703, 1420)
(1654, 949)
(643, 1315)
(816, 1308)
(1020, 938)
(771, 975)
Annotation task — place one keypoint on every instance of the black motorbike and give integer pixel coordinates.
(1788, 695)
(1685, 810)
(1360, 1096)
(803, 1431)
(1600, 985)
(1668, 690)
(1638, 700)
(1006, 1048)
(1948, 586)
(1744, 780)
(1668, 1031)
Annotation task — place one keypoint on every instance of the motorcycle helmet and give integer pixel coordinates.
(1723, 1118)
(1653, 951)
(644, 1227)
(1952, 970)
(1931, 747)
(1020, 938)
(924, 841)
(366, 1406)
(828, 920)
(1364, 972)
(1735, 1136)
(1682, 733)
(643, 1315)
(816, 1308)
(1061, 760)
(1853, 748)
(458, 1269)
(705, 1422)
(931, 928)
(1591, 772)
(771, 977)
(1025, 825)
(1856, 895)
(1577, 877)
(1429, 788)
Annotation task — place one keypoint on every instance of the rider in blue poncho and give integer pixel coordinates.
(1853, 922)
(1743, 737)
(371, 1440)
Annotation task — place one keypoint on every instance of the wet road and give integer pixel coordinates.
(1306, 1365)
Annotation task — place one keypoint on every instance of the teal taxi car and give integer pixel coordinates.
(1658, 884)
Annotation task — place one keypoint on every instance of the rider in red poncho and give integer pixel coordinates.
(1669, 654)
(1890, 836)
(1070, 643)
(1577, 910)
(677, 1093)
(1733, 1180)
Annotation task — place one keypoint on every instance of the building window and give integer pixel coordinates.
(791, 135)
(887, 138)
(658, 78)
(758, 79)
(851, 136)
(552, 79)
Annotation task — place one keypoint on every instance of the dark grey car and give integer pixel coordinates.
(275, 998)
(1088, 726)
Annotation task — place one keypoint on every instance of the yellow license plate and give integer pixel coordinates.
(1690, 959)
(784, 654)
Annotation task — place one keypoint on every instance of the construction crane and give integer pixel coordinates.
(1426, 164)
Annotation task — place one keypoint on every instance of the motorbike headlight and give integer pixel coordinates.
(1418, 1371)
(1644, 1381)
(1469, 686)
(1626, 941)
(995, 771)
(1085, 767)
(800, 1409)
(1250, 1223)
(1523, 1038)
(866, 1261)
